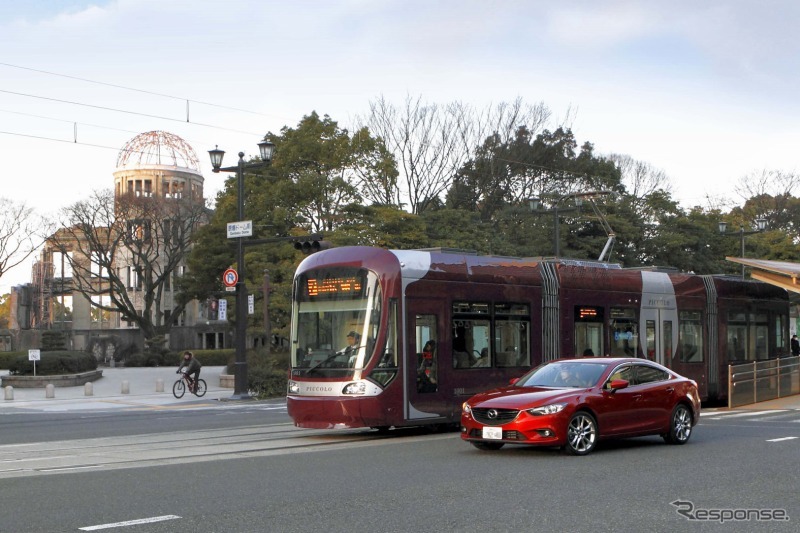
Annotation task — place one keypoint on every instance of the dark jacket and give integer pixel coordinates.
(192, 365)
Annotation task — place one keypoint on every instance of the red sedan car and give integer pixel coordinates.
(573, 403)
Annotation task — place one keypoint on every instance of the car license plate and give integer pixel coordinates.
(492, 433)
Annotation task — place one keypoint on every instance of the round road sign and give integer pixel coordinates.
(230, 278)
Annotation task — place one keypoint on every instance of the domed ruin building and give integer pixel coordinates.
(158, 203)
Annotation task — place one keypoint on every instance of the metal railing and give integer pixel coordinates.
(760, 381)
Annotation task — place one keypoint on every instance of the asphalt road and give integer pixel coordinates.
(245, 468)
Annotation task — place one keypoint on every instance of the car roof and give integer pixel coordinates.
(603, 360)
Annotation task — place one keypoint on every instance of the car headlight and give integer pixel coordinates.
(466, 408)
(551, 409)
(294, 387)
(358, 387)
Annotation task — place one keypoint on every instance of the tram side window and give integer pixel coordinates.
(588, 330)
(690, 336)
(737, 336)
(759, 328)
(428, 356)
(471, 343)
(780, 336)
(512, 327)
(624, 333)
(386, 370)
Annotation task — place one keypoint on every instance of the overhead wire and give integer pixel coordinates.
(143, 91)
(137, 113)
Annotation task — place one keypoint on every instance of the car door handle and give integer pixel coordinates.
(637, 397)
(670, 390)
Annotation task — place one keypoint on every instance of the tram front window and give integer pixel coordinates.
(335, 320)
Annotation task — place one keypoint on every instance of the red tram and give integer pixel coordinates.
(385, 338)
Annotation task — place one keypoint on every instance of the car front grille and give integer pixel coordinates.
(494, 417)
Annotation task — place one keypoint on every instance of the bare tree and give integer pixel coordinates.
(18, 234)
(640, 178)
(767, 182)
(125, 252)
(431, 142)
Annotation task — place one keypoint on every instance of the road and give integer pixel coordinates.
(246, 468)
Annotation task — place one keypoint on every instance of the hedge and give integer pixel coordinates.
(169, 358)
(54, 363)
(6, 358)
(267, 373)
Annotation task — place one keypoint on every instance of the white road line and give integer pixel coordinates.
(66, 468)
(131, 522)
(782, 439)
(747, 413)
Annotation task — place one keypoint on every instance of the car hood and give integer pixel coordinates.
(521, 397)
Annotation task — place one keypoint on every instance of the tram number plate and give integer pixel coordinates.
(492, 433)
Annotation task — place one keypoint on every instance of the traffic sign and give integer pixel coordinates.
(242, 228)
(230, 278)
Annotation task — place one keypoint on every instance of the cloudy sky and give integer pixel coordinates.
(705, 91)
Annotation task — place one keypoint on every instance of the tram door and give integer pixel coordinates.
(426, 392)
(659, 335)
(658, 320)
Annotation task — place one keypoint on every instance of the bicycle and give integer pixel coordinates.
(180, 386)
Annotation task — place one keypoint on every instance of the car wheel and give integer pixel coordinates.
(581, 434)
(680, 425)
(487, 446)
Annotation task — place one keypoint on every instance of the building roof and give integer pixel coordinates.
(779, 273)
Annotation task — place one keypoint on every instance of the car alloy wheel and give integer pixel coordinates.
(581, 433)
(680, 427)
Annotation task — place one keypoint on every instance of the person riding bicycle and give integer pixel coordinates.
(193, 367)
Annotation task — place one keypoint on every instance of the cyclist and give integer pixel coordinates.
(192, 368)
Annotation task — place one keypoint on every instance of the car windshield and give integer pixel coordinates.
(563, 374)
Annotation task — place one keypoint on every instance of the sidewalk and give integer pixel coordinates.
(787, 402)
(107, 391)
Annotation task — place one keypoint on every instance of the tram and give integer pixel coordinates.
(384, 338)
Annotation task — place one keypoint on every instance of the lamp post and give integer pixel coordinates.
(266, 149)
(761, 225)
(535, 203)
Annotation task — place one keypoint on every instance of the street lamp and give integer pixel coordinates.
(761, 225)
(535, 203)
(266, 149)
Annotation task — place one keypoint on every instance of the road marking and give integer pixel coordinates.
(782, 439)
(132, 522)
(747, 413)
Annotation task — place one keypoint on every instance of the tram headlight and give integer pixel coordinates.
(294, 387)
(358, 387)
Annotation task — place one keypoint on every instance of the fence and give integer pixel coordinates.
(760, 381)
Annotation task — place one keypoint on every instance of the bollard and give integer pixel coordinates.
(159, 385)
(88, 389)
(126, 387)
(9, 392)
(50, 391)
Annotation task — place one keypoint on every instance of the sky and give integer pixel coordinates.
(704, 91)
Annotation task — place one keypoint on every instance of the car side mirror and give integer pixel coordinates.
(617, 384)
(512, 381)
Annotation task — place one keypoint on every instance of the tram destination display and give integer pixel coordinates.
(348, 285)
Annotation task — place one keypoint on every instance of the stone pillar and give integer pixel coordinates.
(126, 387)
(159, 385)
(9, 392)
(88, 389)
(50, 391)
